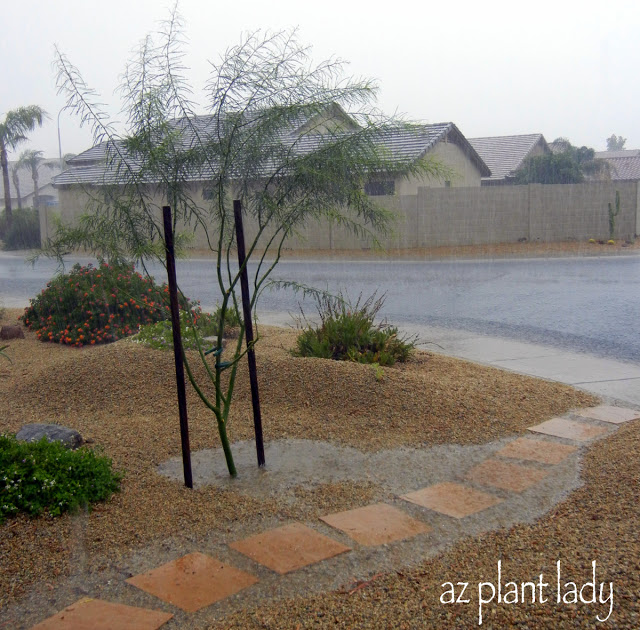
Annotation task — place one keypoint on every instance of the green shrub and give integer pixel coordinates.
(46, 476)
(24, 232)
(160, 335)
(348, 333)
(92, 305)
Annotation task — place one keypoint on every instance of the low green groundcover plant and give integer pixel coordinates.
(347, 332)
(44, 476)
(93, 305)
(160, 335)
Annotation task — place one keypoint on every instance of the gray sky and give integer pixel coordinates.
(561, 68)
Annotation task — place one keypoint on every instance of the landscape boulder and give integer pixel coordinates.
(11, 332)
(53, 432)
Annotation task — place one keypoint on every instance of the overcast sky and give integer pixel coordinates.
(561, 68)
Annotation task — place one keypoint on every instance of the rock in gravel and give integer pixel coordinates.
(11, 332)
(53, 432)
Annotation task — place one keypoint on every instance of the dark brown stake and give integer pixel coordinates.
(248, 329)
(177, 346)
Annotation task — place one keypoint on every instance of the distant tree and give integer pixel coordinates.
(32, 160)
(569, 165)
(13, 129)
(615, 143)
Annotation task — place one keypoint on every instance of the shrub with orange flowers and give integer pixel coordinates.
(92, 305)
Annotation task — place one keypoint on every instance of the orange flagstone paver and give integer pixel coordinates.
(376, 524)
(193, 581)
(452, 499)
(569, 429)
(537, 451)
(506, 476)
(288, 548)
(95, 614)
(606, 413)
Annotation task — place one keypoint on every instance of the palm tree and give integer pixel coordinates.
(32, 160)
(13, 129)
(16, 182)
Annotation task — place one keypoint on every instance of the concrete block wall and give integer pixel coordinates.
(459, 216)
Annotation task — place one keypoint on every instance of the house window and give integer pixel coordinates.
(447, 184)
(207, 193)
(380, 187)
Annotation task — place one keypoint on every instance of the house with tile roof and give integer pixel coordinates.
(623, 165)
(504, 155)
(444, 142)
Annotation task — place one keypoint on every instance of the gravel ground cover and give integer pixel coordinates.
(121, 397)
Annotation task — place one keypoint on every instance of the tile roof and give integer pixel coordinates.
(625, 165)
(403, 144)
(505, 154)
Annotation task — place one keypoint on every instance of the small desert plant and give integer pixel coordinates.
(347, 332)
(160, 334)
(613, 214)
(24, 231)
(46, 476)
(92, 305)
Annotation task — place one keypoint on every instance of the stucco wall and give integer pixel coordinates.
(465, 172)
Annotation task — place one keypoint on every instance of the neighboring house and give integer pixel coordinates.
(623, 165)
(504, 155)
(443, 141)
(46, 191)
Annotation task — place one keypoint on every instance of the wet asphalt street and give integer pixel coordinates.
(587, 305)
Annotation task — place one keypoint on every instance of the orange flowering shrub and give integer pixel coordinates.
(92, 305)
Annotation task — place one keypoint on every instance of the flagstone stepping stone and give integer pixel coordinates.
(505, 475)
(452, 499)
(606, 413)
(376, 524)
(95, 614)
(569, 429)
(289, 548)
(193, 581)
(537, 451)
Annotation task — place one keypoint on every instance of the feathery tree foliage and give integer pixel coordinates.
(242, 149)
(13, 131)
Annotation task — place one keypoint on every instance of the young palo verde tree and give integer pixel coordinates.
(276, 137)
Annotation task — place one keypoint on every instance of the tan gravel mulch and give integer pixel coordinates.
(122, 397)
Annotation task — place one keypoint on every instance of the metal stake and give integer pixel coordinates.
(177, 346)
(248, 329)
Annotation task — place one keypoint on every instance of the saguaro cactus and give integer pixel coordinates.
(613, 214)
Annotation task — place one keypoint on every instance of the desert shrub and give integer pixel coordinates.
(232, 318)
(46, 476)
(92, 305)
(24, 232)
(347, 332)
(160, 335)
